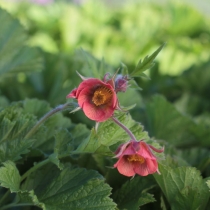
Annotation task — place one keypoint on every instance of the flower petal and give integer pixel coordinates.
(148, 167)
(140, 169)
(121, 149)
(72, 94)
(124, 167)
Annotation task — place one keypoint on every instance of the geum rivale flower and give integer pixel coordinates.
(97, 98)
(136, 158)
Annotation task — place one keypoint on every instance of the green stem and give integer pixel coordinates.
(124, 128)
(46, 116)
(15, 205)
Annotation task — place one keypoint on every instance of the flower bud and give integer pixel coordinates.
(121, 83)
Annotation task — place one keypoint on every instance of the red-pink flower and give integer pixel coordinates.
(136, 158)
(97, 98)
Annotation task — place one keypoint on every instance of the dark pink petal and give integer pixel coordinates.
(85, 96)
(97, 114)
(124, 167)
(72, 94)
(91, 84)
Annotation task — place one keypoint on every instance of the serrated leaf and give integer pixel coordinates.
(131, 197)
(147, 63)
(67, 189)
(18, 119)
(109, 134)
(9, 176)
(167, 123)
(14, 55)
(14, 124)
(183, 187)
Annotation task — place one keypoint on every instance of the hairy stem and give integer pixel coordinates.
(124, 128)
(46, 116)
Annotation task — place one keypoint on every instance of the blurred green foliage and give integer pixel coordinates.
(119, 32)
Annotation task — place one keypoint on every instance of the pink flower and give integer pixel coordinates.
(136, 158)
(96, 98)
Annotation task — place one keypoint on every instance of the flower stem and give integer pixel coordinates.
(46, 116)
(124, 128)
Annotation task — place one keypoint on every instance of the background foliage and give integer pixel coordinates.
(42, 46)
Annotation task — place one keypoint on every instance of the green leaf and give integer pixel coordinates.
(63, 143)
(79, 133)
(109, 134)
(165, 122)
(15, 57)
(14, 124)
(18, 119)
(208, 184)
(131, 197)
(63, 146)
(70, 188)
(183, 187)
(147, 63)
(92, 67)
(9, 176)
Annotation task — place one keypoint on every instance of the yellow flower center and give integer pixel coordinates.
(102, 95)
(136, 158)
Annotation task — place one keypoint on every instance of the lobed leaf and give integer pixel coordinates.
(9, 176)
(183, 187)
(14, 126)
(70, 188)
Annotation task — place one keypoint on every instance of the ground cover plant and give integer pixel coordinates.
(77, 132)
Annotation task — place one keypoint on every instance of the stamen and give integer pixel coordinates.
(136, 158)
(102, 95)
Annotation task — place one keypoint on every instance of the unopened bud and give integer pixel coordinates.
(121, 83)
